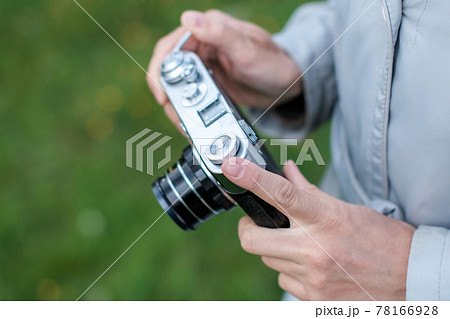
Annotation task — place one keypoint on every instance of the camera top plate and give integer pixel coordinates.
(208, 117)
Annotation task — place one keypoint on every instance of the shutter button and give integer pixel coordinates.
(224, 147)
(191, 91)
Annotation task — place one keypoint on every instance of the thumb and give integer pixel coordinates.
(274, 189)
(212, 27)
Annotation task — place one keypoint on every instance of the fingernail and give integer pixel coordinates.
(193, 19)
(234, 169)
(290, 162)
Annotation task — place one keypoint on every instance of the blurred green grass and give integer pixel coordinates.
(69, 99)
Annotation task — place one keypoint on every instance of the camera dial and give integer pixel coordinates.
(191, 91)
(223, 147)
(170, 68)
(178, 66)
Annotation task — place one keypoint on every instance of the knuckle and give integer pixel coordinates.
(261, 36)
(267, 261)
(290, 285)
(255, 181)
(335, 214)
(246, 239)
(219, 30)
(298, 251)
(214, 13)
(219, 22)
(318, 281)
(247, 58)
(321, 260)
(314, 294)
(317, 259)
(282, 282)
(161, 43)
(286, 195)
(310, 188)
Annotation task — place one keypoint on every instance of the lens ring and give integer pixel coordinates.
(180, 198)
(191, 185)
(164, 202)
(187, 188)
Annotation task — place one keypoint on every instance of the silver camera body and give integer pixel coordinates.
(195, 189)
(208, 117)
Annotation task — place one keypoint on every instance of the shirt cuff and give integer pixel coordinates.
(428, 275)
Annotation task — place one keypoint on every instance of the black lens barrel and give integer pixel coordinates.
(189, 194)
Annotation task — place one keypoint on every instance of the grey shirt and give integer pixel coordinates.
(385, 84)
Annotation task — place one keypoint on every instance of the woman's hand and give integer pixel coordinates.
(334, 250)
(250, 67)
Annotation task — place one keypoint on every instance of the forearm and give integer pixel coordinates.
(305, 38)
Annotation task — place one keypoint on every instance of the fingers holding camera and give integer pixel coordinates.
(164, 46)
(276, 190)
(251, 68)
(172, 115)
(276, 243)
(280, 265)
(309, 257)
(213, 27)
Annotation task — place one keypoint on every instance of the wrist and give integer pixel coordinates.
(292, 112)
(292, 83)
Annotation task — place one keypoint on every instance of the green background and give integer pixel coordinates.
(69, 99)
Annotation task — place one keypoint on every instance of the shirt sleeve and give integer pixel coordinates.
(429, 265)
(306, 38)
(428, 273)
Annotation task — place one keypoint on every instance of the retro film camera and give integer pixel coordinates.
(195, 189)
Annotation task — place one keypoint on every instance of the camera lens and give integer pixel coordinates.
(189, 193)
